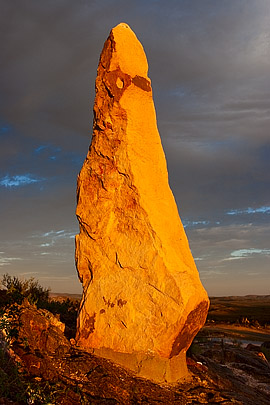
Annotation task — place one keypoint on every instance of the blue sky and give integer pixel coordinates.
(209, 63)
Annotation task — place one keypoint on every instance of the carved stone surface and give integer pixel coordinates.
(143, 301)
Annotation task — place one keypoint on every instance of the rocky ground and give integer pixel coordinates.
(52, 370)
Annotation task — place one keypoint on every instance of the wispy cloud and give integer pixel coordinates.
(50, 238)
(211, 273)
(50, 151)
(249, 210)
(6, 261)
(19, 180)
(199, 223)
(59, 234)
(187, 223)
(246, 253)
(41, 148)
(53, 233)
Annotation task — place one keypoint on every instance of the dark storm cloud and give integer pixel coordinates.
(215, 117)
(46, 68)
(209, 63)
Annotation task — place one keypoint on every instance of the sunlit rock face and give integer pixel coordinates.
(143, 301)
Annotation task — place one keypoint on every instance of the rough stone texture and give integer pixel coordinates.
(143, 301)
(42, 330)
(40, 336)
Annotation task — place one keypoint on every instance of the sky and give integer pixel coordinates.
(209, 63)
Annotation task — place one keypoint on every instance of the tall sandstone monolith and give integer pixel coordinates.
(143, 301)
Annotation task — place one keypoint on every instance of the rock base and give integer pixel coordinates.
(158, 369)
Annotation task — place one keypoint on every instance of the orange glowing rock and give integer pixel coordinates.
(143, 301)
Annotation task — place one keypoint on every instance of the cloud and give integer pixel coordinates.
(187, 223)
(248, 252)
(249, 210)
(6, 261)
(220, 246)
(48, 151)
(212, 273)
(19, 180)
(58, 234)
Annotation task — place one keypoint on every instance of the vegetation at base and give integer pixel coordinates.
(14, 384)
(14, 290)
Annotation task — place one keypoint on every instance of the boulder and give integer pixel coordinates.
(41, 330)
(39, 338)
(143, 301)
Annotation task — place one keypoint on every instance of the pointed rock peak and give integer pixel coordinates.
(125, 52)
(143, 301)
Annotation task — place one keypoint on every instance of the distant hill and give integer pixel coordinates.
(242, 297)
(236, 308)
(63, 296)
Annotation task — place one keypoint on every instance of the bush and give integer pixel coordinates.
(15, 385)
(13, 292)
(16, 290)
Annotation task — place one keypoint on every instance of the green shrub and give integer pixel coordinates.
(14, 290)
(14, 384)
(17, 289)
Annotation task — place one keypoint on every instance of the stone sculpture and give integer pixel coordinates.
(143, 301)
